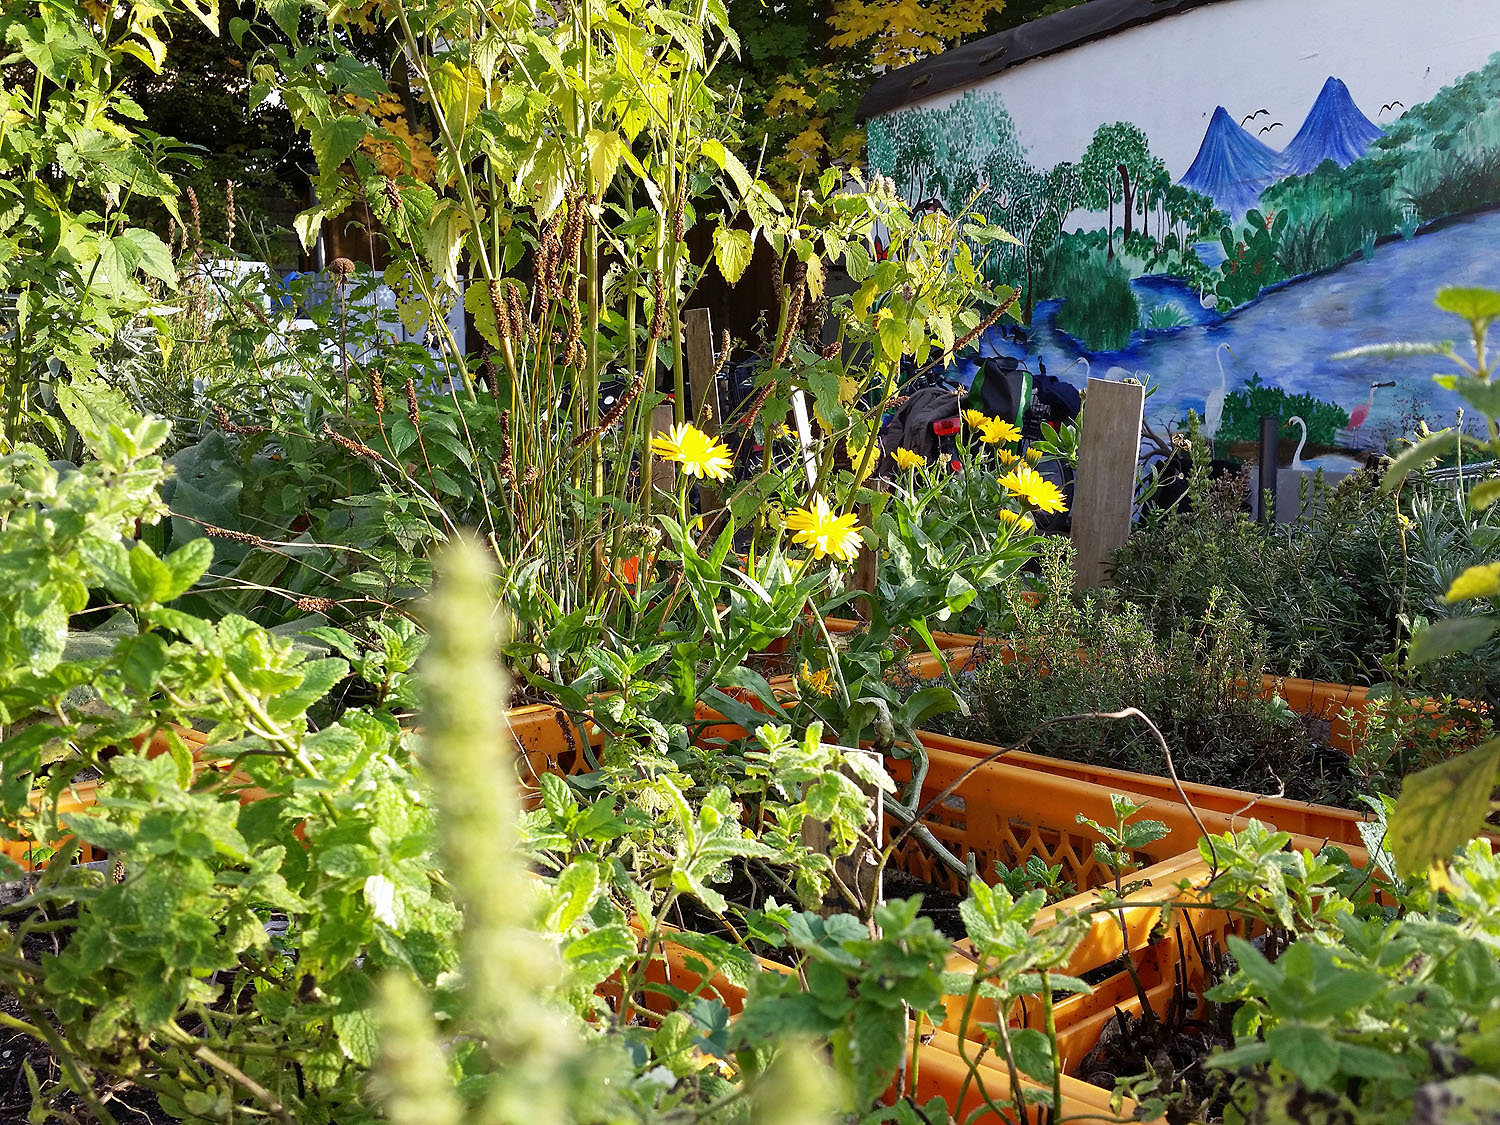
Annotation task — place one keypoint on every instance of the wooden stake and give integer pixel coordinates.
(698, 337)
(1104, 493)
(663, 472)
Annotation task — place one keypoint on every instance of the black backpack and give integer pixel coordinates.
(1002, 389)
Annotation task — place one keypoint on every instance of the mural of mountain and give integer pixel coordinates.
(1335, 130)
(1232, 168)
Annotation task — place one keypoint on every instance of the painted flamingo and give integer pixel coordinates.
(1358, 415)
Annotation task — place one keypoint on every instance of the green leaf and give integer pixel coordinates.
(1441, 808)
(1485, 493)
(728, 162)
(733, 250)
(1477, 306)
(1449, 636)
(601, 951)
(875, 1047)
(285, 13)
(141, 660)
(1308, 1052)
(572, 895)
(478, 305)
(151, 577)
(187, 564)
(150, 253)
(357, 1036)
(1428, 449)
(1482, 394)
(334, 141)
(1033, 1053)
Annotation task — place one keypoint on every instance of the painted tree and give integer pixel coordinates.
(1116, 161)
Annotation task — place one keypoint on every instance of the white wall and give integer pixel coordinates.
(1168, 75)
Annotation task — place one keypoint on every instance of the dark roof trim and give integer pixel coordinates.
(985, 58)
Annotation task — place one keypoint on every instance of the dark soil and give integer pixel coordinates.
(128, 1103)
(939, 905)
(751, 884)
(1173, 1052)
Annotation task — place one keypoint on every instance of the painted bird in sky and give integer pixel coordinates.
(1358, 415)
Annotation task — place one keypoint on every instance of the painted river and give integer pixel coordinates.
(1289, 334)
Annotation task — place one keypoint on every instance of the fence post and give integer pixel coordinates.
(1266, 502)
(1104, 492)
(698, 338)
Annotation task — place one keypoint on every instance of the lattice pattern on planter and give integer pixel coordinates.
(1004, 815)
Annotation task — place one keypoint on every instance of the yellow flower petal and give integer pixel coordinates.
(698, 454)
(998, 430)
(906, 459)
(825, 534)
(1034, 489)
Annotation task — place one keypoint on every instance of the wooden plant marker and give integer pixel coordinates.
(860, 870)
(1104, 491)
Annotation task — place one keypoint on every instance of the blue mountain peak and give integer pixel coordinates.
(1335, 130)
(1232, 168)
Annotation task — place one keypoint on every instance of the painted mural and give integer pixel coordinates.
(1231, 278)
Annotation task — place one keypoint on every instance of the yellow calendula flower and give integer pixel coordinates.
(1018, 520)
(1034, 489)
(976, 418)
(1006, 457)
(996, 431)
(785, 431)
(1033, 457)
(906, 459)
(827, 535)
(698, 454)
(1476, 582)
(819, 682)
(856, 451)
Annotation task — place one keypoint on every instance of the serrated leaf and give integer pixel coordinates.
(733, 250)
(187, 564)
(1449, 636)
(1477, 306)
(1308, 1052)
(1441, 808)
(334, 141)
(478, 305)
(604, 150)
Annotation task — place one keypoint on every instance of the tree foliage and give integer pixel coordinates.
(805, 64)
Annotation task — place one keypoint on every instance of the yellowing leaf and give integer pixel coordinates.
(604, 151)
(478, 305)
(460, 94)
(733, 250)
(1441, 808)
(1476, 582)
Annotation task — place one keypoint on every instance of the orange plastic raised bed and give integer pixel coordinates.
(1339, 826)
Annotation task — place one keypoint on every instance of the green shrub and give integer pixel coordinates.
(1101, 655)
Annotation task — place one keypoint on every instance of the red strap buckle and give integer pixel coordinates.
(945, 427)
